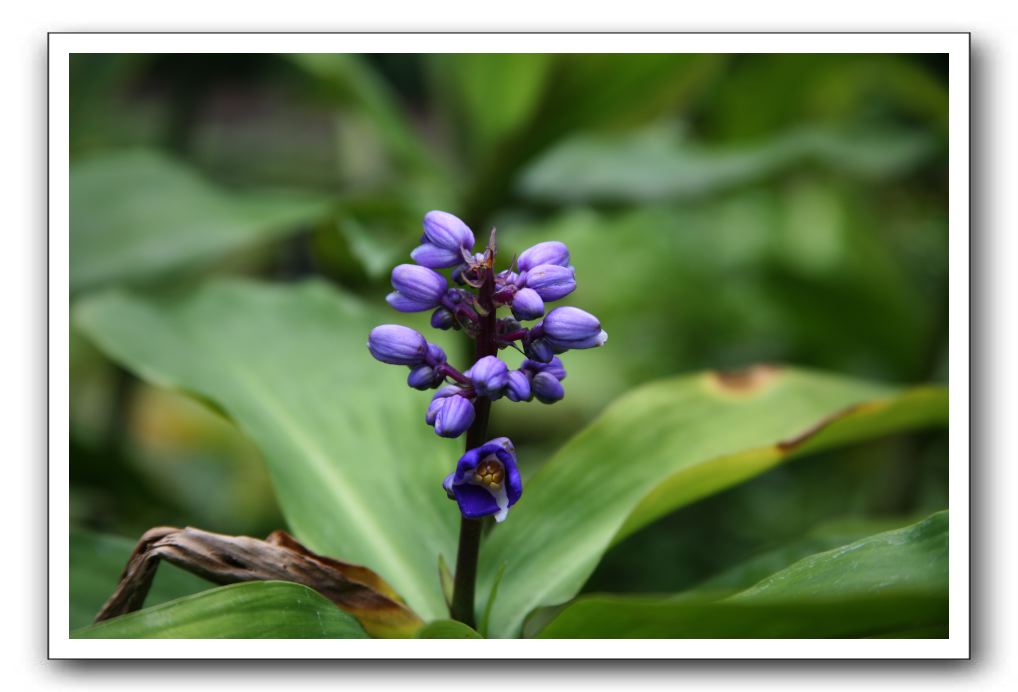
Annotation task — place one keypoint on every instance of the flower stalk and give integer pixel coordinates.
(486, 481)
(465, 577)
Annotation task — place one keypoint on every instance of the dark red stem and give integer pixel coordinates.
(465, 578)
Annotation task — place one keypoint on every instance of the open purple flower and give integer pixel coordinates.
(486, 480)
(446, 238)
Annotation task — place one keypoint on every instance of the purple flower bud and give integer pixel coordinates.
(539, 350)
(398, 301)
(527, 304)
(507, 278)
(486, 480)
(428, 255)
(445, 238)
(442, 319)
(489, 377)
(553, 367)
(438, 401)
(416, 287)
(397, 345)
(547, 388)
(507, 325)
(435, 355)
(447, 231)
(550, 252)
(518, 388)
(454, 416)
(568, 327)
(425, 377)
(551, 281)
(456, 296)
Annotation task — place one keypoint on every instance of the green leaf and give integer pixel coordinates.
(253, 610)
(636, 617)
(490, 601)
(825, 537)
(96, 561)
(447, 629)
(867, 417)
(801, 270)
(883, 585)
(493, 94)
(347, 78)
(657, 163)
(357, 472)
(613, 90)
(665, 445)
(912, 559)
(587, 92)
(137, 213)
(446, 579)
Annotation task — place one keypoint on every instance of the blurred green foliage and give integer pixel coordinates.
(879, 585)
(721, 211)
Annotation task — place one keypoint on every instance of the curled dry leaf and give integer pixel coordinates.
(230, 559)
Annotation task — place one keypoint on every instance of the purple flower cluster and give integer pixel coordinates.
(542, 274)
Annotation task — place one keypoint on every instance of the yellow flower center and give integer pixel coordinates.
(489, 473)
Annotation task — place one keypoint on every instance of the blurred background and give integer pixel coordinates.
(721, 210)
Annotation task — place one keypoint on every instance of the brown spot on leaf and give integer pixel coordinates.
(790, 443)
(745, 381)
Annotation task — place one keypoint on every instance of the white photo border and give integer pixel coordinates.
(955, 45)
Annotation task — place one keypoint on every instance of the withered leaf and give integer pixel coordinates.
(230, 559)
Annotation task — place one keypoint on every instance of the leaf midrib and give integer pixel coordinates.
(328, 472)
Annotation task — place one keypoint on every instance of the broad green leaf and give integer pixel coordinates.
(447, 629)
(492, 94)
(911, 559)
(357, 472)
(638, 617)
(658, 163)
(934, 632)
(446, 579)
(612, 90)
(866, 418)
(349, 79)
(96, 561)
(792, 272)
(665, 445)
(587, 92)
(826, 537)
(490, 601)
(253, 610)
(771, 92)
(137, 213)
(883, 585)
